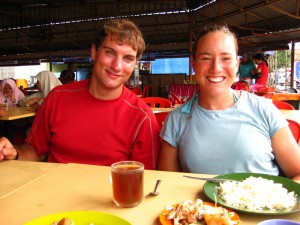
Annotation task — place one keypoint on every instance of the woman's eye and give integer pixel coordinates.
(204, 58)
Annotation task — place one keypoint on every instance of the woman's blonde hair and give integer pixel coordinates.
(213, 28)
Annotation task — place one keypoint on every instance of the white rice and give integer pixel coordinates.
(256, 193)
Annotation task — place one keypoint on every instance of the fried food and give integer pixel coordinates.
(65, 221)
(199, 212)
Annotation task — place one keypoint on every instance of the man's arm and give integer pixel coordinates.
(25, 152)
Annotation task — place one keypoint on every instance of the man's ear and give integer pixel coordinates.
(93, 52)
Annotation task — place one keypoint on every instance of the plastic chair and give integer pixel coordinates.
(157, 102)
(283, 105)
(145, 92)
(269, 95)
(136, 90)
(295, 128)
(176, 99)
(292, 90)
(161, 117)
(241, 85)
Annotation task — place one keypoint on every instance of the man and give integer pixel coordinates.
(67, 76)
(97, 121)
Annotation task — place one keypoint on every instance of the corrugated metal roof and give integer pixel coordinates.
(31, 29)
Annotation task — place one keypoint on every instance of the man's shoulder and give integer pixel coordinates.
(73, 85)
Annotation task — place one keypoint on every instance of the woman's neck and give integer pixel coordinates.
(220, 102)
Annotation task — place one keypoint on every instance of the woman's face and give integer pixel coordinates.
(7, 90)
(215, 63)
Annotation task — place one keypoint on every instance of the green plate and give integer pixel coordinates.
(81, 218)
(210, 187)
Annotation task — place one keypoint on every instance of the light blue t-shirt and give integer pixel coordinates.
(234, 140)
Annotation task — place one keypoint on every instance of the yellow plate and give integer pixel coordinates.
(81, 218)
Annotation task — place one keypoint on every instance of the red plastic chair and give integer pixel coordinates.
(160, 117)
(176, 99)
(157, 102)
(136, 91)
(295, 128)
(145, 92)
(283, 105)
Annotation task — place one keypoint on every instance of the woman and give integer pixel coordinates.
(246, 67)
(10, 93)
(46, 81)
(221, 130)
(262, 68)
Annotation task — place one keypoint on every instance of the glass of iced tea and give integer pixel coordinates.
(127, 183)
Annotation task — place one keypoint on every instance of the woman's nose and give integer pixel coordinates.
(215, 65)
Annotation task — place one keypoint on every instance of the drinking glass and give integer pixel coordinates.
(127, 183)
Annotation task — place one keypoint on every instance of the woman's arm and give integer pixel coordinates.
(287, 153)
(168, 159)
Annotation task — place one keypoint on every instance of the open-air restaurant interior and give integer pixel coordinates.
(55, 37)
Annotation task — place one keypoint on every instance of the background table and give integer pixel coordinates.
(16, 112)
(13, 113)
(29, 193)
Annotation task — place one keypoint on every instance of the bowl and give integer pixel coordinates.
(278, 222)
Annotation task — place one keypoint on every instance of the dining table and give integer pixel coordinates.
(292, 98)
(288, 114)
(31, 190)
(17, 112)
(14, 113)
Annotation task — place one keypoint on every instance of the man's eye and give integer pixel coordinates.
(129, 59)
(109, 52)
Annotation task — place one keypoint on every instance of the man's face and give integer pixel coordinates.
(114, 63)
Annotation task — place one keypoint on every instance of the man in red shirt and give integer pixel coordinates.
(97, 121)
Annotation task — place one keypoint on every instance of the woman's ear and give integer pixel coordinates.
(192, 60)
(238, 62)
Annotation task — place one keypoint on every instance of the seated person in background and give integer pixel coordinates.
(46, 81)
(246, 67)
(67, 76)
(10, 93)
(220, 130)
(97, 121)
(2, 112)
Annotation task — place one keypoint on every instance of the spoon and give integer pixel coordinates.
(155, 192)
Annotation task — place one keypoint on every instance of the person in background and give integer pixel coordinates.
(246, 67)
(67, 76)
(263, 68)
(46, 81)
(221, 130)
(10, 93)
(97, 121)
(2, 112)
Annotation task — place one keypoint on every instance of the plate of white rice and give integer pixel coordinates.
(255, 193)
